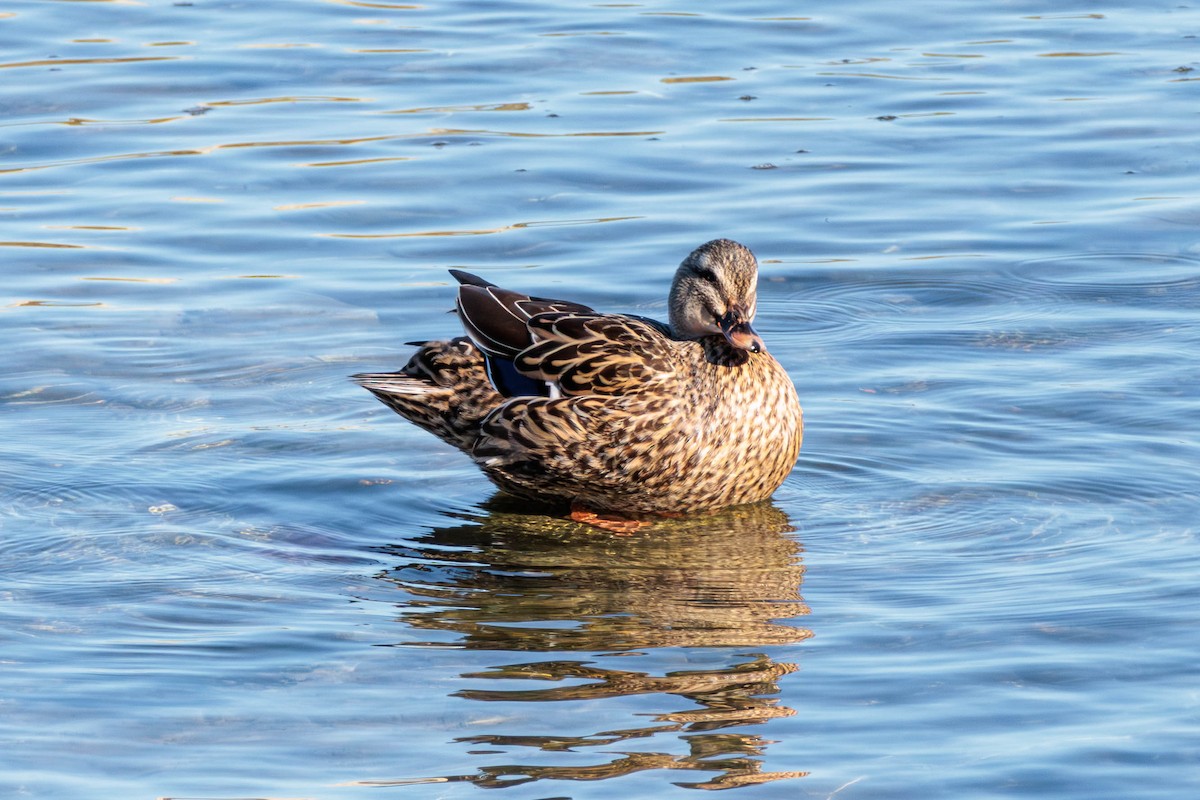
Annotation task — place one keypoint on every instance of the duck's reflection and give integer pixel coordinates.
(511, 581)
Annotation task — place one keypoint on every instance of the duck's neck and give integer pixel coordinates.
(717, 350)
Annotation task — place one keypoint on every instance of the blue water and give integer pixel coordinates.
(229, 573)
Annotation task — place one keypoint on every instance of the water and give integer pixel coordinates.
(229, 573)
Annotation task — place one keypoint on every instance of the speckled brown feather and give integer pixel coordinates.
(590, 353)
(444, 389)
(639, 422)
(705, 436)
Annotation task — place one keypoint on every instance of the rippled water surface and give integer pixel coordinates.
(229, 573)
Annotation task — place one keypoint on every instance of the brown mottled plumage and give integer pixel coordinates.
(613, 414)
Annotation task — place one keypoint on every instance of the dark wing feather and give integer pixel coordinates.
(492, 320)
(467, 279)
(509, 382)
(589, 353)
(497, 319)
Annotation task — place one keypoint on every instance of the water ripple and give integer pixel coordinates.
(1092, 272)
(979, 264)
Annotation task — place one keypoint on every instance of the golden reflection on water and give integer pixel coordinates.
(62, 62)
(517, 582)
(284, 143)
(50, 245)
(289, 99)
(478, 232)
(456, 109)
(365, 4)
(697, 79)
(353, 162)
(310, 206)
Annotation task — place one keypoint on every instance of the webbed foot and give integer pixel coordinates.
(622, 526)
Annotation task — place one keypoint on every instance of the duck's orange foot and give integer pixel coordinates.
(622, 526)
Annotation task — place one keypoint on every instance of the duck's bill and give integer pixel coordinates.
(742, 335)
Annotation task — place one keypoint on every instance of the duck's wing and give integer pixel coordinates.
(496, 319)
(585, 353)
(569, 440)
(536, 346)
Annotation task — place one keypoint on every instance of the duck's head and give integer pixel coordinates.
(715, 293)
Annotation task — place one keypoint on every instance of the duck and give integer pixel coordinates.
(620, 418)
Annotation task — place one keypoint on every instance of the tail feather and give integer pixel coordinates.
(444, 389)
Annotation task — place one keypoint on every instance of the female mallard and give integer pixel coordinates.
(616, 415)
